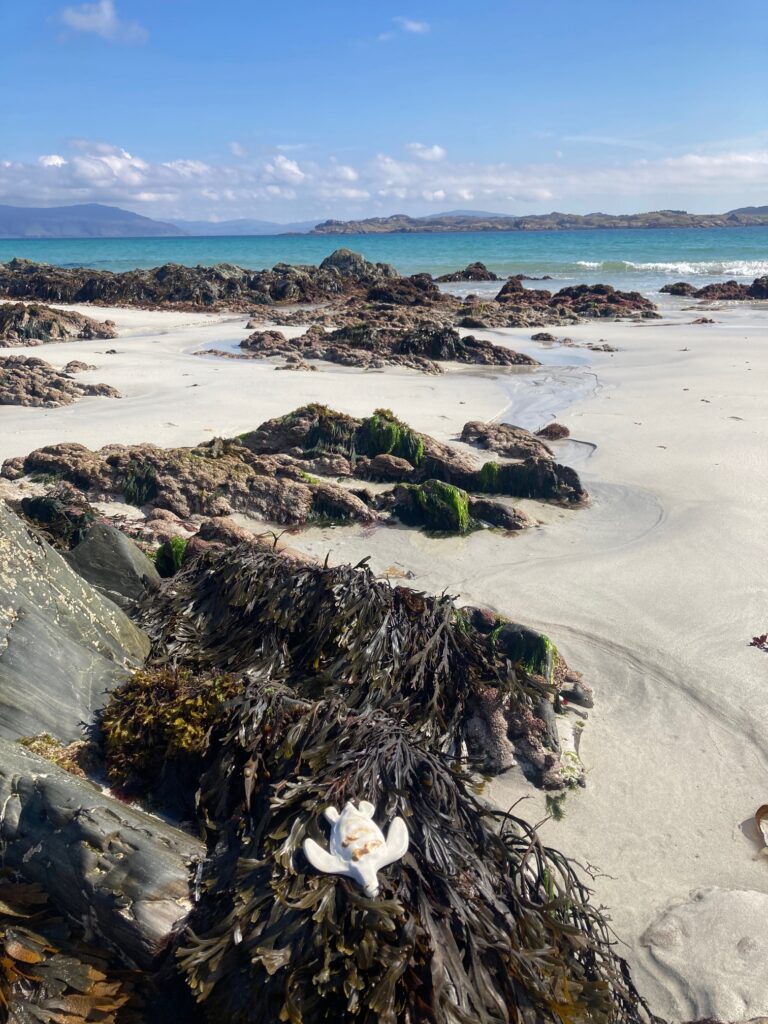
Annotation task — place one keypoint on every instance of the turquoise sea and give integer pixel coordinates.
(639, 259)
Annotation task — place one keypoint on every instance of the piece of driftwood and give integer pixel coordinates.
(122, 873)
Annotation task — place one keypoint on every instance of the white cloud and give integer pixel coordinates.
(237, 149)
(283, 168)
(346, 173)
(430, 153)
(52, 160)
(409, 25)
(101, 19)
(277, 186)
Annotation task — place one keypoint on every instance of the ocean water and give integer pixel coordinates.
(632, 259)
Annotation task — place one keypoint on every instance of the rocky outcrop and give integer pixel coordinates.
(681, 288)
(317, 427)
(721, 291)
(62, 645)
(505, 439)
(473, 272)
(223, 286)
(370, 347)
(553, 432)
(582, 301)
(103, 862)
(114, 565)
(77, 366)
(33, 382)
(32, 324)
(214, 478)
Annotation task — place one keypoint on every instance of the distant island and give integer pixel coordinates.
(749, 216)
(93, 220)
(86, 220)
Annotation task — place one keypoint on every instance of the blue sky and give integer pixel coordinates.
(314, 108)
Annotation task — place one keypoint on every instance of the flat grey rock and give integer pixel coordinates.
(120, 872)
(113, 564)
(63, 646)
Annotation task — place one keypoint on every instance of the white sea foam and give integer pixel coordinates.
(685, 268)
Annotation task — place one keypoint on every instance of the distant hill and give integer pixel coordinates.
(477, 221)
(88, 220)
(243, 227)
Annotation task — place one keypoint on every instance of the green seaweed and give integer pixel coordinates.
(436, 506)
(140, 484)
(488, 480)
(384, 434)
(169, 557)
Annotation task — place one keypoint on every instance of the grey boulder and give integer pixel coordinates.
(63, 646)
(111, 867)
(114, 565)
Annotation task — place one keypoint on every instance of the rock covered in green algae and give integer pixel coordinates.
(63, 645)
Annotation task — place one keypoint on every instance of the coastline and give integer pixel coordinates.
(652, 591)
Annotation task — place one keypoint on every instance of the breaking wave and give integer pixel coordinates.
(683, 268)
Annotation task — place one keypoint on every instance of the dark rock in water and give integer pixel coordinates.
(114, 565)
(759, 288)
(105, 863)
(417, 290)
(217, 287)
(266, 342)
(473, 272)
(512, 287)
(32, 324)
(435, 505)
(496, 514)
(723, 291)
(62, 645)
(505, 439)
(444, 344)
(543, 336)
(682, 288)
(553, 432)
(33, 382)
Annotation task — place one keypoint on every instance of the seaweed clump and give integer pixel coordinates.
(354, 689)
(155, 729)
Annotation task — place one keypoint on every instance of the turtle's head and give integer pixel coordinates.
(368, 879)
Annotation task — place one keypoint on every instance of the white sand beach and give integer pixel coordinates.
(652, 592)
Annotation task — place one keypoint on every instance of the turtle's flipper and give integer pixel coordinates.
(396, 845)
(324, 861)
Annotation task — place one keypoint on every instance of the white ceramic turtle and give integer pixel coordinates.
(358, 847)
